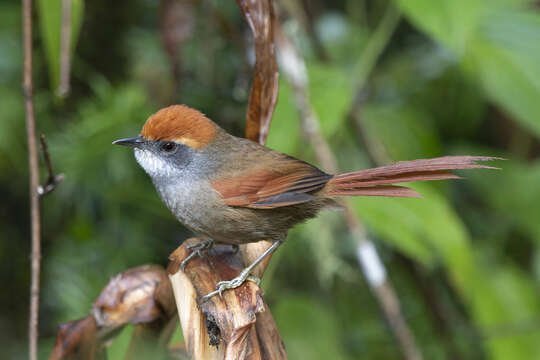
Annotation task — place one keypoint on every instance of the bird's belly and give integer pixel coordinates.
(226, 225)
(201, 209)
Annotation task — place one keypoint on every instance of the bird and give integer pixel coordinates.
(231, 190)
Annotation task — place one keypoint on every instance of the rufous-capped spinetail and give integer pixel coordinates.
(234, 191)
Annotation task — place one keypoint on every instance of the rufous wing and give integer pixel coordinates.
(289, 182)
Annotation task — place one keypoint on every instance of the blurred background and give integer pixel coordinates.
(389, 80)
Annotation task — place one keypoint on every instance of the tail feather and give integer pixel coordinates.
(377, 181)
(380, 190)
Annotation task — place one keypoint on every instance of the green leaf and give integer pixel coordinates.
(428, 229)
(309, 329)
(504, 305)
(425, 229)
(452, 22)
(498, 44)
(405, 132)
(285, 127)
(330, 95)
(330, 89)
(50, 16)
(120, 345)
(510, 74)
(519, 205)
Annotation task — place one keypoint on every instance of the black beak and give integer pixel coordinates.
(133, 142)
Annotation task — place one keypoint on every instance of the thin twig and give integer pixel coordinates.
(294, 67)
(320, 51)
(65, 49)
(303, 12)
(34, 178)
(52, 180)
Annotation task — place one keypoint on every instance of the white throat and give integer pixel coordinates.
(154, 165)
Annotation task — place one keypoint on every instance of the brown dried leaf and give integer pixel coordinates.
(141, 296)
(259, 15)
(131, 297)
(77, 340)
(233, 326)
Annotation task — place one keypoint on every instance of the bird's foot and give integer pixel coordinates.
(197, 250)
(244, 275)
(231, 284)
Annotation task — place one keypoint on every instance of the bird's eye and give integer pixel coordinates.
(168, 146)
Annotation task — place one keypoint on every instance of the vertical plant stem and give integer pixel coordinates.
(374, 270)
(366, 252)
(34, 178)
(65, 49)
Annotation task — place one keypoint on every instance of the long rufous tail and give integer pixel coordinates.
(378, 181)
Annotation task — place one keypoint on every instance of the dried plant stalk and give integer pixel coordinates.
(236, 325)
(259, 15)
(263, 97)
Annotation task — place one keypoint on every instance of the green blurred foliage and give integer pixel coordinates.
(50, 19)
(456, 77)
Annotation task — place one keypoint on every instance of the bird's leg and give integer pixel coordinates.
(197, 249)
(244, 275)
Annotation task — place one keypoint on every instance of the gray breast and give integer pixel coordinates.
(191, 203)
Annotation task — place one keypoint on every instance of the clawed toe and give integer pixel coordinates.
(197, 250)
(254, 279)
(189, 257)
(221, 286)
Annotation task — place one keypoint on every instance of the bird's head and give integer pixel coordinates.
(170, 140)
